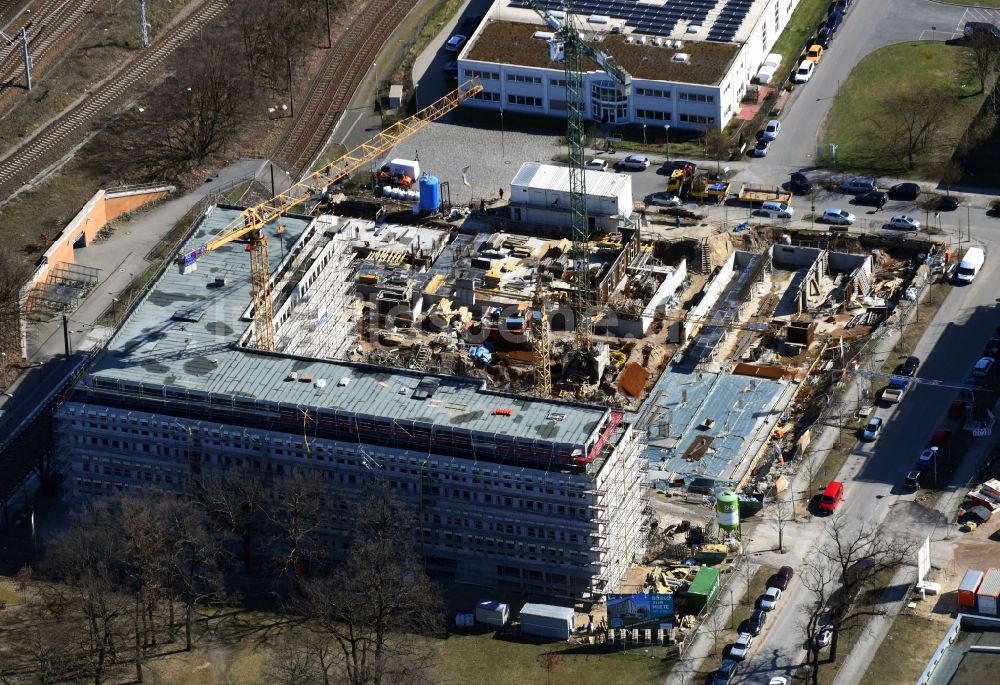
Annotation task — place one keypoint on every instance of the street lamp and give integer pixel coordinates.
(968, 217)
(666, 127)
(644, 135)
(3, 369)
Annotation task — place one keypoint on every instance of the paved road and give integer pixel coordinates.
(873, 473)
(869, 25)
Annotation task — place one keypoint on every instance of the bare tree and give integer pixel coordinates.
(381, 566)
(96, 621)
(195, 574)
(910, 122)
(981, 59)
(238, 503)
(717, 146)
(820, 580)
(295, 518)
(783, 513)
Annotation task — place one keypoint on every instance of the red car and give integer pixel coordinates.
(781, 579)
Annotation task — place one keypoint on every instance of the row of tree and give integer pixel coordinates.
(133, 577)
(216, 87)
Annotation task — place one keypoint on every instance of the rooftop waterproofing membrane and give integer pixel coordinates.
(707, 424)
(185, 333)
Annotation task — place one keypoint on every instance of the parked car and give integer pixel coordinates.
(597, 165)
(725, 674)
(778, 680)
(761, 149)
(859, 184)
(837, 217)
(994, 208)
(873, 429)
(947, 203)
(823, 37)
(983, 367)
(663, 200)
(455, 43)
(634, 163)
(805, 71)
(832, 494)
(909, 367)
(771, 130)
(815, 53)
(904, 191)
(756, 622)
(782, 578)
(769, 599)
(912, 481)
(875, 198)
(904, 223)
(741, 647)
(823, 637)
(835, 20)
(668, 168)
(800, 183)
(925, 462)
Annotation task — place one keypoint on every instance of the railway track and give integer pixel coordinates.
(54, 141)
(54, 24)
(333, 88)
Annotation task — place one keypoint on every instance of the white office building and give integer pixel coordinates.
(691, 61)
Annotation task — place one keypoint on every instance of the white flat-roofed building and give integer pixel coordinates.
(539, 194)
(691, 61)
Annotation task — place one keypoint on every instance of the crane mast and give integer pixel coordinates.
(574, 49)
(575, 136)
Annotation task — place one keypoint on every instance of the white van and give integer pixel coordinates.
(776, 210)
(970, 265)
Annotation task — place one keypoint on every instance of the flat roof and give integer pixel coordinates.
(548, 611)
(973, 656)
(551, 177)
(184, 335)
(507, 42)
(683, 399)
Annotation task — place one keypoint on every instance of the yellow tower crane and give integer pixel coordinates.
(251, 222)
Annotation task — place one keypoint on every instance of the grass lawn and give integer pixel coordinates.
(894, 69)
(484, 660)
(904, 652)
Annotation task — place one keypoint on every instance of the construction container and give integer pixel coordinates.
(404, 167)
(988, 593)
(492, 613)
(430, 193)
(967, 588)
(703, 589)
(547, 621)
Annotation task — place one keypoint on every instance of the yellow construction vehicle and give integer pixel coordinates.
(252, 221)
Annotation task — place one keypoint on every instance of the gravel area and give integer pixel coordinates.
(445, 149)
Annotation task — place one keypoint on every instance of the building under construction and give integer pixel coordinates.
(531, 495)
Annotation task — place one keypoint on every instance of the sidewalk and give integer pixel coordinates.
(120, 259)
